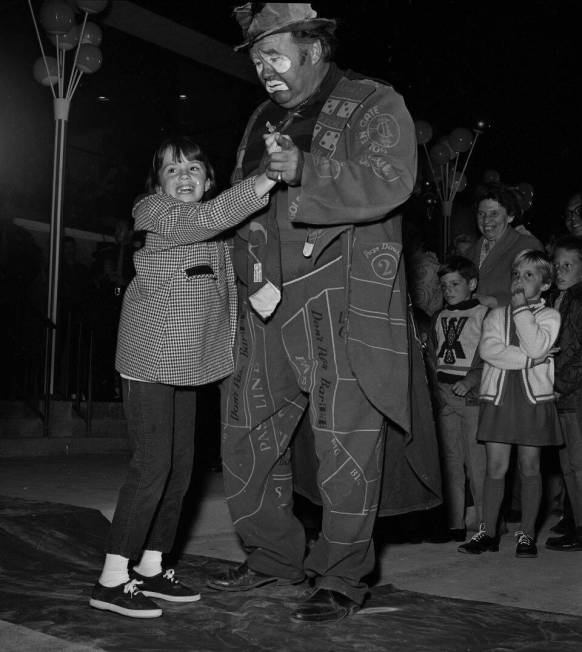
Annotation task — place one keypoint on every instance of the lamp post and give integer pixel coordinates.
(57, 17)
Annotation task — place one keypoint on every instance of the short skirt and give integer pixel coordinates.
(517, 421)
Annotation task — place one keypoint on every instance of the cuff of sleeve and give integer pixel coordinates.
(519, 310)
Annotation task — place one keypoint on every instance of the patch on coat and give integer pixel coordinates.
(383, 259)
(379, 132)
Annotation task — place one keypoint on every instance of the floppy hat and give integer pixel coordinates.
(258, 19)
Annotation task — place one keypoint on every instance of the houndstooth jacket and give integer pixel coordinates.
(178, 317)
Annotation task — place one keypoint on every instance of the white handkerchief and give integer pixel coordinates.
(265, 300)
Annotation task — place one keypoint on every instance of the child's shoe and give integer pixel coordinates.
(125, 599)
(165, 587)
(526, 546)
(480, 542)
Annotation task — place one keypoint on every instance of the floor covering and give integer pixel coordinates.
(51, 555)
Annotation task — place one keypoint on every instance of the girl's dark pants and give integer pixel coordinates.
(161, 420)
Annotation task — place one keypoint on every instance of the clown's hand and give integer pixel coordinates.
(287, 162)
(271, 142)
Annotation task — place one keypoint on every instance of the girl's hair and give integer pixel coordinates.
(569, 243)
(465, 267)
(504, 195)
(539, 258)
(179, 146)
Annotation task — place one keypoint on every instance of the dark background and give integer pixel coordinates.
(514, 64)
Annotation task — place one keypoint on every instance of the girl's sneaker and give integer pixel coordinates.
(480, 542)
(526, 546)
(125, 599)
(165, 586)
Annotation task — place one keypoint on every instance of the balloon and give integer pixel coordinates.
(443, 140)
(423, 132)
(40, 71)
(460, 139)
(439, 153)
(92, 35)
(481, 125)
(89, 59)
(67, 41)
(56, 17)
(92, 6)
(458, 182)
(491, 176)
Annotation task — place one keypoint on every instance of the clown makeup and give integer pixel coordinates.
(289, 71)
(278, 62)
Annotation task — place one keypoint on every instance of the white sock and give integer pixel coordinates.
(150, 563)
(114, 571)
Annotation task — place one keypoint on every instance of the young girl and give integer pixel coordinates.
(517, 397)
(176, 331)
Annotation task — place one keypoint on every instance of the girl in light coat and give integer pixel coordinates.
(517, 398)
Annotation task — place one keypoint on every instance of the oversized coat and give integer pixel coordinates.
(361, 167)
(178, 317)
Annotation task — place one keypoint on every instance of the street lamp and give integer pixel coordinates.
(57, 17)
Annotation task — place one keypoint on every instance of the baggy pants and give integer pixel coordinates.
(298, 361)
(161, 421)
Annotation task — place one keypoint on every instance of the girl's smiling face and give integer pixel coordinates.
(183, 179)
(528, 278)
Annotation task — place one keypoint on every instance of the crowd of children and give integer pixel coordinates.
(510, 377)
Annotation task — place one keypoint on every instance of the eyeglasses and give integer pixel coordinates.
(572, 213)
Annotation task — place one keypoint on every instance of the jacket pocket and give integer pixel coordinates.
(199, 270)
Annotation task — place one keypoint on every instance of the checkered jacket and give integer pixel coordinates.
(179, 312)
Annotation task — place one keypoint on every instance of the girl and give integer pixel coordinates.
(176, 331)
(517, 398)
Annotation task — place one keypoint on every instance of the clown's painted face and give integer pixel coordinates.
(287, 70)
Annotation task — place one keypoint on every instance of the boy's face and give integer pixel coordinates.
(568, 266)
(457, 289)
(528, 278)
(184, 180)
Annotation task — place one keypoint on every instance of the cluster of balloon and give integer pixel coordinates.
(444, 157)
(57, 17)
(447, 159)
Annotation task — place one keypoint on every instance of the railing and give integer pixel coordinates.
(75, 370)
